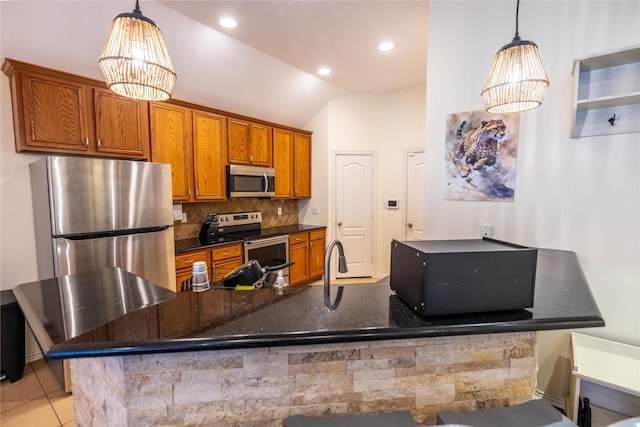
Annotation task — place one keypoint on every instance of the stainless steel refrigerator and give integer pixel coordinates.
(94, 213)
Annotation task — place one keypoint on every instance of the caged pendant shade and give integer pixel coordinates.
(135, 62)
(517, 81)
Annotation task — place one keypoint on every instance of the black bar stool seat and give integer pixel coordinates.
(534, 413)
(391, 419)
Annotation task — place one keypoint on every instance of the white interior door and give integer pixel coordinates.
(354, 212)
(414, 222)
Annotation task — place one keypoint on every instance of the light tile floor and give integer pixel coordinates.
(37, 399)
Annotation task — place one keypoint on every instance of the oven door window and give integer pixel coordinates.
(269, 256)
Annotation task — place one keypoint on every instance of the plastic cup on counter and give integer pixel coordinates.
(200, 277)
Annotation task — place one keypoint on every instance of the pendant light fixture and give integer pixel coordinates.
(517, 81)
(135, 61)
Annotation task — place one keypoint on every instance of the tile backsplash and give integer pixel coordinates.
(197, 213)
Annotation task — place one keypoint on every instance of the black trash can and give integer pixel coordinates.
(11, 337)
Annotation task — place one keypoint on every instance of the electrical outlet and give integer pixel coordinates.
(279, 210)
(177, 211)
(486, 231)
(315, 210)
(184, 217)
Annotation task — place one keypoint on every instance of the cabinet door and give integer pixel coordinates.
(53, 115)
(209, 156)
(238, 134)
(121, 125)
(299, 252)
(317, 243)
(299, 272)
(222, 268)
(171, 143)
(283, 163)
(260, 154)
(302, 165)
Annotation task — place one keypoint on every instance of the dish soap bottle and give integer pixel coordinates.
(280, 281)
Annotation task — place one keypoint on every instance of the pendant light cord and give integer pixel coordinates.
(517, 13)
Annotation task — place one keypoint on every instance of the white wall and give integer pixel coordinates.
(581, 195)
(385, 124)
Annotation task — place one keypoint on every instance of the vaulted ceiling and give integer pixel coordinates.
(342, 35)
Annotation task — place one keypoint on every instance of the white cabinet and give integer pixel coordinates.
(607, 94)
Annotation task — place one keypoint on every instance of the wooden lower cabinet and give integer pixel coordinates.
(307, 250)
(224, 260)
(317, 248)
(184, 265)
(220, 260)
(299, 253)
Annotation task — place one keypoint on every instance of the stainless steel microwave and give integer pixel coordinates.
(250, 181)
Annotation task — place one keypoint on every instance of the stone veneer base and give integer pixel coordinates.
(262, 386)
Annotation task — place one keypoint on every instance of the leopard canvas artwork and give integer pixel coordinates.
(481, 152)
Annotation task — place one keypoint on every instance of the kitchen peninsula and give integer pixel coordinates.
(256, 357)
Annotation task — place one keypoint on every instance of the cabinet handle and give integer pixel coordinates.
(86, 142)
(189, 192)
(188, 261)
(250, 158)
(99, 143)
(196, 192)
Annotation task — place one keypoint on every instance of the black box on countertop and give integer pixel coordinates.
(441, 277)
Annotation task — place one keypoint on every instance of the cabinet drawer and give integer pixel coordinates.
(231, 251)
(187, 260)
(295, 239)
(316, 235)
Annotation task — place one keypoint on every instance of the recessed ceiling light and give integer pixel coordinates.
(228, 22)
(323, 71)
(385, 46)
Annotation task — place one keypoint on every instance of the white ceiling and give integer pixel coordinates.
(340, 34)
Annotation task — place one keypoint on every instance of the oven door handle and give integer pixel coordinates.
(268, 240)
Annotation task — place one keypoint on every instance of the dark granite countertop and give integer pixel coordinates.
(187, 245)
(100, 316)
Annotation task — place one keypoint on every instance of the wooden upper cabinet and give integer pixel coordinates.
(261, 145)
(302, 165)
(283, 163)
(209, 156)
(122, 124)
(292, 163)
(56, 112)
(171, 143)
(52, 113)
(249, 143)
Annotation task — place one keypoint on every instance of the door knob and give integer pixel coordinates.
(340, 224)
(409, 225)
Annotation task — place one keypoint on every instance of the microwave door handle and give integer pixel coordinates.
(265, 180)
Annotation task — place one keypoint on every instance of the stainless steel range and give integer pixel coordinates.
(268, 246)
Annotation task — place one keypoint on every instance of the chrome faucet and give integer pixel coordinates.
(342, 268)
